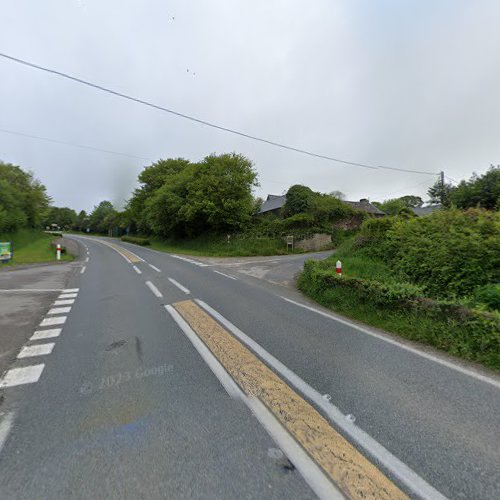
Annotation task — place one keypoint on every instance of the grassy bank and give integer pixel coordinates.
(219, 247)
(31, 247)
(369, 292)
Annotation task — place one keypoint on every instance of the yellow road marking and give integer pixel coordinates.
(130, 256)
(346, 466)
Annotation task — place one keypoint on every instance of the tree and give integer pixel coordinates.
(397, 206)
(298, 200)
(479, 191)
(439, 194)
(411, 201)
(102, 217)
(82, 221)
(337, 194)
(64, 217)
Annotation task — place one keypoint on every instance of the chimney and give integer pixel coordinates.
(364, 200)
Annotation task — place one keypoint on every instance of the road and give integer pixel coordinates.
(173, 377)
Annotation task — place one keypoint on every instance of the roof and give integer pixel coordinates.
(365, 206)
(421, 211)
(273, 202)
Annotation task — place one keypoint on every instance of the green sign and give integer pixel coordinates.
(5, 251)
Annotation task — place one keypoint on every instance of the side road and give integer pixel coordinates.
(26, 292)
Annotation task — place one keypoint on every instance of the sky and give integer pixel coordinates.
(412, 85)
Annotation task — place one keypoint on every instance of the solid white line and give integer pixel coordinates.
(83, 269)
(155, 268)
(68, 296)
(20, 376)
(191, 261)
(46, 334)
(71, 290)
(56, 320)
(398, 468)
(154, 289)
(87, 259)
(223, 274)
(179, 286)
(29, 351)
(5, 426)
(60, 310)
(448, 364)
(137, 270)
(309, 470)
(67, 302)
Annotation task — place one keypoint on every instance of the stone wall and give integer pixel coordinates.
(318, 241)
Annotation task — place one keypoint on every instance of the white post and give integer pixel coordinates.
(338, 268)
(58, 252)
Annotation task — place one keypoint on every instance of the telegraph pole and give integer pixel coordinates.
(442, 187)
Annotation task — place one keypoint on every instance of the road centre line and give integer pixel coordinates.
(137, 270)
(21, 376)
(224, 274)
(413, 350)
(30, 351)
(59, 310)
(66, 302)
(154, 289)
(398, 468)
(83, 269)
(179, 286)
(155, 268)
(55, 320)
(46, 334)
(355, 474)
(309, 470)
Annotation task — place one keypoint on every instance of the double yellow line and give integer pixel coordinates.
(343, 464)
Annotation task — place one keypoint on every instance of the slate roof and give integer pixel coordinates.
(273, 202)
(421, 211)
(365, 206)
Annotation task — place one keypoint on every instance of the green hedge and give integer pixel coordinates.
(402, 308)
(136, 240)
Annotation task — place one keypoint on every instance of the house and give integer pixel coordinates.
(273, 204)
(365, 206)
(422, 211)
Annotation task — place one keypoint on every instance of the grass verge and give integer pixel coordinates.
(31, 247)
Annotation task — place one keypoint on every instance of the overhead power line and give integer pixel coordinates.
(204, 122)
(92, 148)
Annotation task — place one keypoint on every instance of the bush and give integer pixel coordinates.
(402, 308)
(136, 240)
(489, 296)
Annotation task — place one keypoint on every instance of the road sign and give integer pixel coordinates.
(6, 251)
(289, 242)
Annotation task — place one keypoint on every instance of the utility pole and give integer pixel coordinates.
(442, 187)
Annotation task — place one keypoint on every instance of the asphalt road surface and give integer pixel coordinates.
(160, 376)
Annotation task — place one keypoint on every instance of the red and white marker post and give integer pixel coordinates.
(58, 252)
(338, 268)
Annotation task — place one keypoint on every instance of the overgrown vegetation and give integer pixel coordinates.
(136, 240)
(434, 279)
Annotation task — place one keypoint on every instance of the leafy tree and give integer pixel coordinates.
(298, 200)
(64, 217)
(439, 194)
(337, 194)
(102, 217)
(479, 190)
(82, 221)
(411, 201)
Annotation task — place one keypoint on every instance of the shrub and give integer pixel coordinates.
(402, 308)
(136, 240)
(489, 296)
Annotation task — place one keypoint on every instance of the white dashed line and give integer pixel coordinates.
(137, 270)
(46, 334)
(67, 302)
(87, 259)
(191, 261)
(5, 425)
(20, 376)
(154, 289)
(56, 320)
(59, 310)
(226, 275)
(179, 286)
(83, 269)
(71, 290)
(29, 351)
(155, 268)
(68, 296)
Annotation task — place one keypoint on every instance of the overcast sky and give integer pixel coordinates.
(408, 84)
